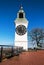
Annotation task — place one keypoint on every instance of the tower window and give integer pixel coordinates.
(20, 15)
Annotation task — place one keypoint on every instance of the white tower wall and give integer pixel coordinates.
(21, 41)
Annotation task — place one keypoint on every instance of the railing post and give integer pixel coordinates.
(1, 54)
(12, 51)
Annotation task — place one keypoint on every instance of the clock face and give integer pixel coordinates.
(21, 30)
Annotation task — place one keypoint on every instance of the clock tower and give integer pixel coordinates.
(21, 25)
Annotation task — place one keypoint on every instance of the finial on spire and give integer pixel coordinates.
(21, 7)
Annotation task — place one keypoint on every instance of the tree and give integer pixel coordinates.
(37, 35)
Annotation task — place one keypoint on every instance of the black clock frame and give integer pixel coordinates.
(21, 29)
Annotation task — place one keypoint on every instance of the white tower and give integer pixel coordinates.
(21, 24)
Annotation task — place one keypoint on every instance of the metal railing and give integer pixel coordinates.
(8, 51)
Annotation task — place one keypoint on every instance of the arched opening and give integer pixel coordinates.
(20, 15)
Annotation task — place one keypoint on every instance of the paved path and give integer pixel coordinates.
(26, 58)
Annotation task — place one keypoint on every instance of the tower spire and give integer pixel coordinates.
(21, 13)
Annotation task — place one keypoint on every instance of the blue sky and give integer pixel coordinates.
(34, 10)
